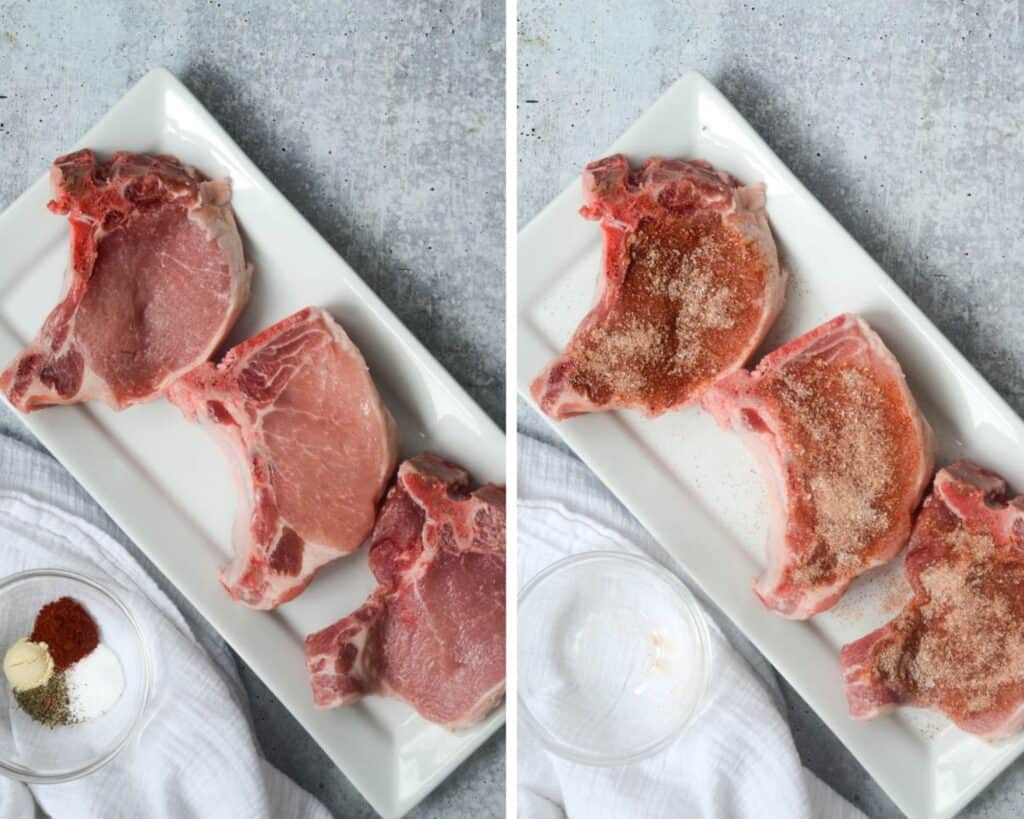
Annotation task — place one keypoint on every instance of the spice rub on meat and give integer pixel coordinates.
(845, 450)
(691, 285)
(958, 646)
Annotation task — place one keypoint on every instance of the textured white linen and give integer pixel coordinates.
(737, 760)
(196, 754)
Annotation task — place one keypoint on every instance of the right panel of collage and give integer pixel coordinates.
(770, 556)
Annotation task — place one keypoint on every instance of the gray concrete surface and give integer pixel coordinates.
(347, 107)
(902, 118)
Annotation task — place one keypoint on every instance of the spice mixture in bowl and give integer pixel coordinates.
(76, 676)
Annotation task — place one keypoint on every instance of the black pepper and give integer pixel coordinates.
(49, 703)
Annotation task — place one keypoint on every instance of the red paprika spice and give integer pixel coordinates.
(67, 629)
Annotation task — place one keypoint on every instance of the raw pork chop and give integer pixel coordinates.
(691, 285)
(845, 450)
(156, 280)
(433, 633)
(958, 646)
(312, 447)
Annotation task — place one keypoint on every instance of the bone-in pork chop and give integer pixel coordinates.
(155, 282)
(846, 454)
(311, 443)
(433, 633)
(958, 646)
(691, 285)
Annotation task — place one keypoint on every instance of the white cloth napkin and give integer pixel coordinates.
(196, 754)
(737, 760)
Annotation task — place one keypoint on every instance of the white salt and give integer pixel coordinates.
(95, 683)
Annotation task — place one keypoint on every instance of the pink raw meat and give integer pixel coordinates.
(958, 646)
(845, 451)
(156, 280)
(691, 285)
(433, 633)
(312, 447)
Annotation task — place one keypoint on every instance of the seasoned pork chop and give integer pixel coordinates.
(846, 454)
(690, 287)
(958, 646)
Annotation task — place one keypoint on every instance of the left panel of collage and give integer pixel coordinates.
(252, 435)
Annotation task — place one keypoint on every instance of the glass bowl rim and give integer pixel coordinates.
(23, 774)
(692, 607)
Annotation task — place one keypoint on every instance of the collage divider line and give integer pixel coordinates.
(511, 393)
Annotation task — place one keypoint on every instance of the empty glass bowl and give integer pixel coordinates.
(33, 752)
(613, 657)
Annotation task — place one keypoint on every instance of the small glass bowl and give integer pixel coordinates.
(32, 752)
(614, 657)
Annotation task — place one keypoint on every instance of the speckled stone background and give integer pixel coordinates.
(904, 119)
(383, 122)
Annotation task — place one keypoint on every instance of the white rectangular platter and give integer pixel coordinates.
(697, 489)
(168, 487)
